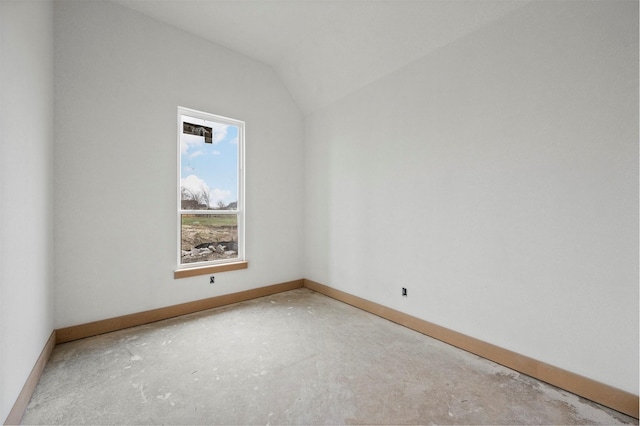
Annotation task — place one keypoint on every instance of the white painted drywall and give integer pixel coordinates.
(496, 179)
(26, 191)
(324, 50)
(119, 78)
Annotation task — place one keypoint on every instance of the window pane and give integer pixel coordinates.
(208, 237)
(208, 165)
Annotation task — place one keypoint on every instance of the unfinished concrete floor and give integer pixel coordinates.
(292, 358)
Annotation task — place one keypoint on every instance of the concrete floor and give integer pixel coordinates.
(292, 358)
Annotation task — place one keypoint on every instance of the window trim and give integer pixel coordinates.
(211, 269)
(184, 270)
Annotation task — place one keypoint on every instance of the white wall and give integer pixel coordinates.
(119, 78)
(496, 179)
(26, 191)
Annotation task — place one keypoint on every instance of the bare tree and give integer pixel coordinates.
(204, 197)
(195, 200)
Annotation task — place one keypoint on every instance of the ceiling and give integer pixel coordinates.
(325, 49)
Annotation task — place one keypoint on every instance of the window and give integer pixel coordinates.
(210, 192)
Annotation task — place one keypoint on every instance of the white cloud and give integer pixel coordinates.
(187, 141)
(219, 195)
(215, 153)
(196, 185)
(196, 154)
(219, 131)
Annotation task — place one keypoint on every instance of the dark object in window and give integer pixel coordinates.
(194, 129)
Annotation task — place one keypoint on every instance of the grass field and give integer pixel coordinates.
(210, 220)
(198, 229)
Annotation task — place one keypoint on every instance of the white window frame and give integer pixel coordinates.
(197, 268)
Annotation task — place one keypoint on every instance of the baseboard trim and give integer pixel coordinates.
(601, 393)
(95, 328)
(19, 407)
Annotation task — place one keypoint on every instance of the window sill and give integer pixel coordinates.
(204, 270)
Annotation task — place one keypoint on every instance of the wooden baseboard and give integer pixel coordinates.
(95, 328)
(16, 413)
(606, 395)
(601, 393)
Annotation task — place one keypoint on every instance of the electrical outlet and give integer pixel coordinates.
(404, 291)
(212, 279)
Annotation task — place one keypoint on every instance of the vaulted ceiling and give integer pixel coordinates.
(325, 49)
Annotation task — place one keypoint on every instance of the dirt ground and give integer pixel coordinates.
(222, 239)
